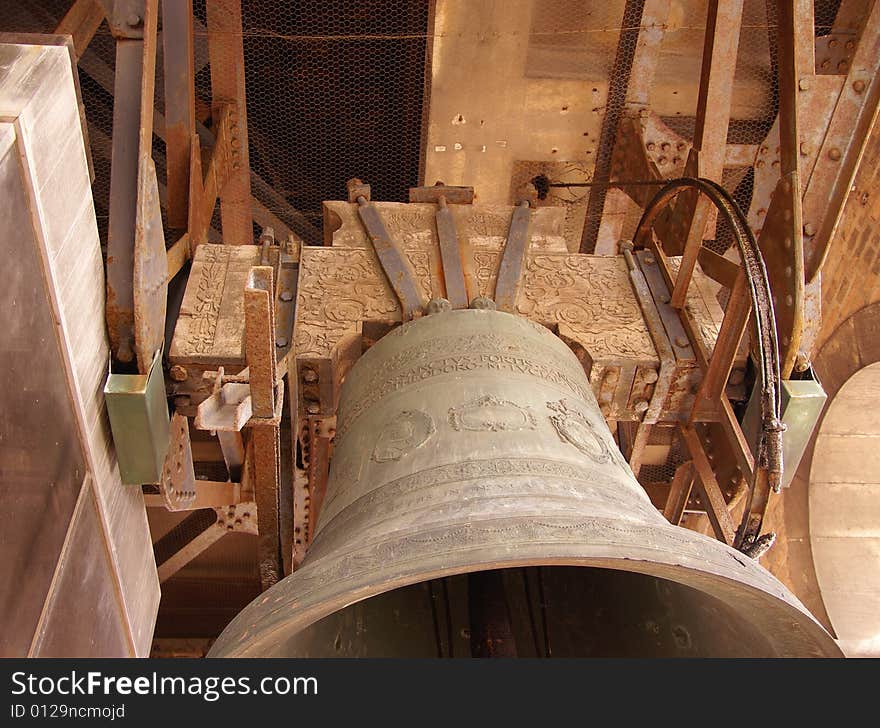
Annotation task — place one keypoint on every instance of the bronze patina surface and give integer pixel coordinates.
(470, 440)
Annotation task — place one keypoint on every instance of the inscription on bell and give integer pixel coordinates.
(493, 415)
(409, 430)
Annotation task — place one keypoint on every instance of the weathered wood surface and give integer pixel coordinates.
(587, 299)
(210, 327)
(38, 98)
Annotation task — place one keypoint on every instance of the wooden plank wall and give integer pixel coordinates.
(38, 99)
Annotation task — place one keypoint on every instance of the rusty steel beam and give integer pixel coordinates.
(136, 265)
(123, 198)
(713, 117)
(226, 52)
(206, 186)
(617, 92)
(708, 488)
(652, 27)
(679, 492)
(664, 352)
(841, 152)
(81, 21)
(267, 204)
(180, 104)
(259, 299)
(733, 327)
(781, 237)
(260, 339)
(150, 265)
(716, 85)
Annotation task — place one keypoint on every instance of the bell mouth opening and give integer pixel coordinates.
(534, 612)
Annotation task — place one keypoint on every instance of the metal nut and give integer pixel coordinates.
(858, 86)
(178, 373)
(310, 376)
(809, 229)
(285, 296)
(834, 154)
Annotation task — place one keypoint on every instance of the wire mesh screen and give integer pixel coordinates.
(596, 42)
(335, 90)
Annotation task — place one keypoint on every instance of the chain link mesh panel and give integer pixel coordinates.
(335, 90)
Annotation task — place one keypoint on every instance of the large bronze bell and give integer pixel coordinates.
(470, 443)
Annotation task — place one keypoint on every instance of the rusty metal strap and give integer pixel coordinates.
(658, 337)
(453, 273)
(514, 258)
(394, 264)
(664, 351)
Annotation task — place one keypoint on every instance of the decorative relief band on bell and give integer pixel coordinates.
(457, 481)
(457, 355)
(491, 414)
(576, 428)
(409, 430)
(595, 532)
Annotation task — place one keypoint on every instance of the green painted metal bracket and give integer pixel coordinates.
(139, 420)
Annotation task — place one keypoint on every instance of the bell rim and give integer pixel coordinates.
(283, 611)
